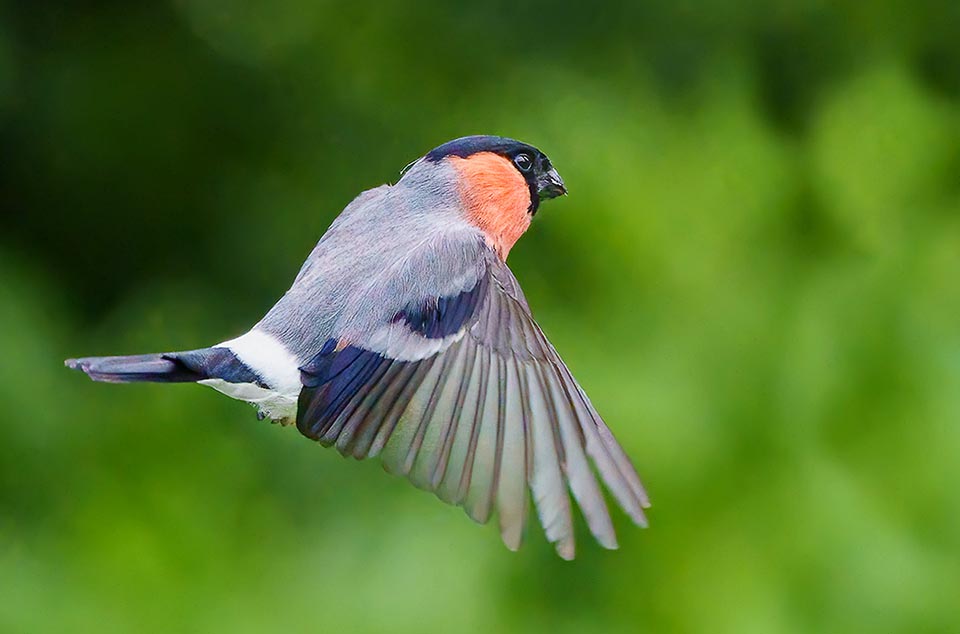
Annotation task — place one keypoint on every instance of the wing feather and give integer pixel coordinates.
(546, 478)
(373, 414)
(458, 442)
(353, 414)
(583, 485)
(485, 416)
(599, 452)
(399, 405)
(430, 457)
(486, 450)
(405, 439)
(513, 471)
(456, 415)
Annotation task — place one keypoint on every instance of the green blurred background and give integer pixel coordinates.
(755, 277)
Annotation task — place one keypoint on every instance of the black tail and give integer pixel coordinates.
(141, 367)
(167, 367)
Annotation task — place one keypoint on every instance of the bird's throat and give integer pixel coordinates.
(496, 198)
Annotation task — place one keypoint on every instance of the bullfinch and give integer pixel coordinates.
(406, 336)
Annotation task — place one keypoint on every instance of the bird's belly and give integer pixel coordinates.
(277, 406)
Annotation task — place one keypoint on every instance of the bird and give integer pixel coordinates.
(406, 336)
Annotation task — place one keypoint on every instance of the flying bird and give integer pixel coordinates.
(406, 336)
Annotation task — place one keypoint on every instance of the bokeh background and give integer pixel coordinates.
(755, 277)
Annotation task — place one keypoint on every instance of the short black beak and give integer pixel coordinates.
(550, 185)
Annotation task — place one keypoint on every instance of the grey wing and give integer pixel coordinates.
(464, 395)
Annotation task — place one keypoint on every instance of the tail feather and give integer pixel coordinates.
(157, 368)
(168, 367)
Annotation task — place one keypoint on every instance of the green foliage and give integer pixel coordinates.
(755, 277)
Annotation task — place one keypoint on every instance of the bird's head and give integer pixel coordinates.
(501, 183)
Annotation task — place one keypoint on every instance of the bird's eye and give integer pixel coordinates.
(523, 162)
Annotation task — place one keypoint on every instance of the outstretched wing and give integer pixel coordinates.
(488, 411)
